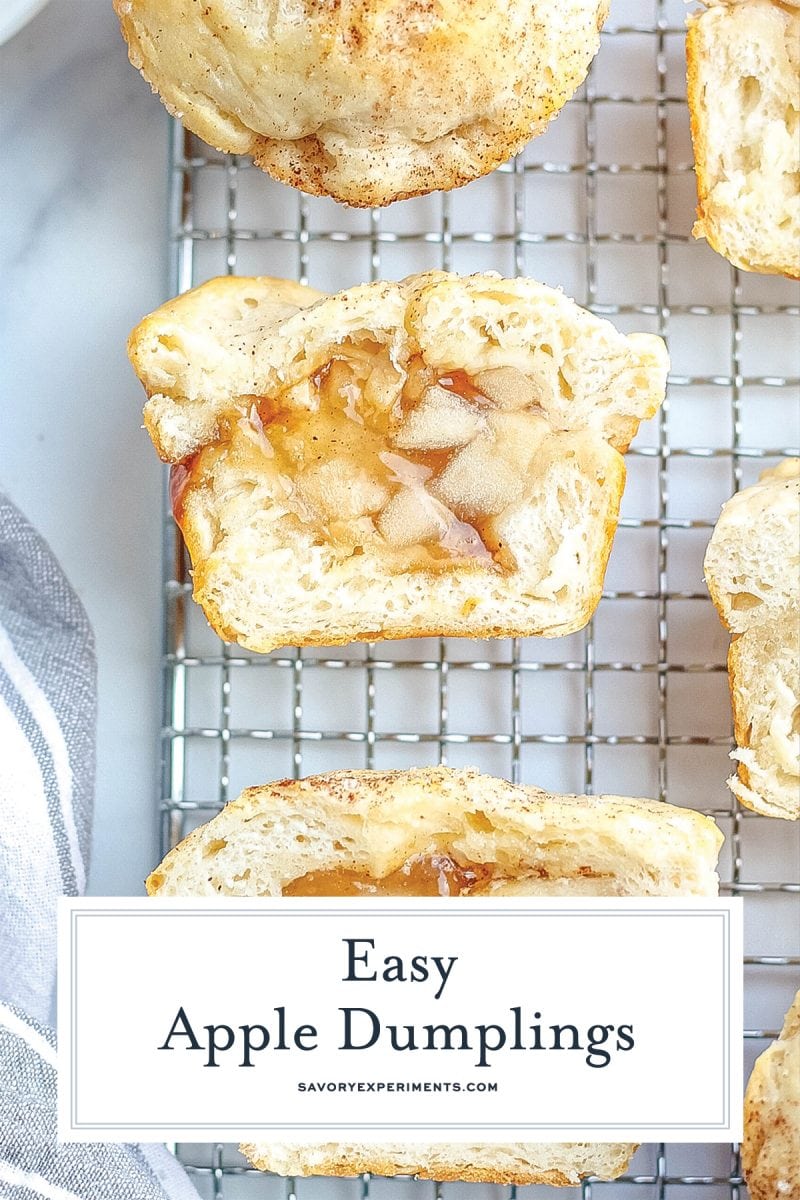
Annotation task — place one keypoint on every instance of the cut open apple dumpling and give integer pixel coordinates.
(438, 456)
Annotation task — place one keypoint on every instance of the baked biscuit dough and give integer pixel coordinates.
(367, 101)
(743, 72)
(553, 1163)
(771, 1145)
(441, 455)
(366, 832)
(441, 831)
(752, 566)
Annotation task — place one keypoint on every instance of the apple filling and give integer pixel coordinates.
(423, 875)
(418, 465)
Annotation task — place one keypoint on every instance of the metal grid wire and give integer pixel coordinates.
(637, 703)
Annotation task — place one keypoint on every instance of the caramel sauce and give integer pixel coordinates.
(302, 439)
(179, 476)
(358, 437)
(423, 875)
(327, 450)
(460, 383)
(434, 460)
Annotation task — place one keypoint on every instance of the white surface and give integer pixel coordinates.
(15, 14)
(82, 257)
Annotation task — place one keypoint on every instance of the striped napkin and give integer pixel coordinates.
(47, 727)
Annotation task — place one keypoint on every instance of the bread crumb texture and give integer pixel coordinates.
(367, 101)
(752, 567)
(744, 97)
(437, 456)
(481, 835)
(771, 1145)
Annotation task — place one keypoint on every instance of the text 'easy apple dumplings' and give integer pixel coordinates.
(441, 832)
(367, 101)
(442, 455)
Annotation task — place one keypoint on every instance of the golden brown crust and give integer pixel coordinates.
(476, 628)
(750, 787)
(377, 1160)
(375, 821)
(741, 720)
(771, 1145)
(304, 164)
(695, 100)
(367, 101)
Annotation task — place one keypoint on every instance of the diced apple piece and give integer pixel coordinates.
(478, 481)
(409, 518)
(507, 387)
(351, 534)
(342, 490)
(439, 421)
(302, 395)
(418, 379)
(382, 387)
(519, 436)
(338, 376)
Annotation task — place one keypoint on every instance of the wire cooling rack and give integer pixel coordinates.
(637, 703)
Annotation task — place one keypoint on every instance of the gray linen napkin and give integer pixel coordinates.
(47, 729)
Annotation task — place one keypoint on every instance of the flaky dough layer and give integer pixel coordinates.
(368, 101)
